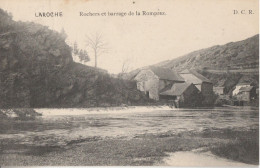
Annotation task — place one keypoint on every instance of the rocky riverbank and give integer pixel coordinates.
(18, 114)
(150, 149)
(128, 136)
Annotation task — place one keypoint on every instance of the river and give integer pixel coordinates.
(61, 126)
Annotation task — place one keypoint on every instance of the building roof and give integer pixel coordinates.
(168, 87)
(244, 83)
(166, 73)
(186, 71)
(177, 89)
(218, 87)
(194, 77)
(246, 89)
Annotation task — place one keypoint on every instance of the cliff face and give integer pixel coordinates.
(37, 70)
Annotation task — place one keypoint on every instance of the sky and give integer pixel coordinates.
(187, 25)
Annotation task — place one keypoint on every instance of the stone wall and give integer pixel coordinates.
(147, 81)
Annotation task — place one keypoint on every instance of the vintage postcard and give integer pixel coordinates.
(129, 83)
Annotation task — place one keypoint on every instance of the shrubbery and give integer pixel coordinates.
(19, 114)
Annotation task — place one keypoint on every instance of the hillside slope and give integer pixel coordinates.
(239, 54)
(37, 70)
(225, 65)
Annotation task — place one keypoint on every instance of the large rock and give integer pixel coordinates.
(37, 70)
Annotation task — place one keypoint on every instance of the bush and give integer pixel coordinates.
(19, 114)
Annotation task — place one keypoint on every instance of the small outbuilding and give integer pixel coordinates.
(183, 94)
(202, 83)
(246, 94)
(218, 90)
(238, 87)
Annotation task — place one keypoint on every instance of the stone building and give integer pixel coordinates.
(201, 82)
(218, 90)
(239, 86)
(153, 80)
(183, 94)
(246, 94)
(185, 89)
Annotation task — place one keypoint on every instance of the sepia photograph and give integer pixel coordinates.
(129, 83)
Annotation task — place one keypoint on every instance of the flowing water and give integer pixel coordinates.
(61, 126)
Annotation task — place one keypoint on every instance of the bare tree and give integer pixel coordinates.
(126, 66)
(97, 45)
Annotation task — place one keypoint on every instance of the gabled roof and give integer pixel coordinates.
(218, 87)
(246, 89)
(166, 73)
(186, 71)
(244, 83)
(177, 89)
(194, 77)
(168, 87)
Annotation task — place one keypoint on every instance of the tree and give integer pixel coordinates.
(97, 45)
(63, 34)
(82, 54)
(126, 66)
(75, 48)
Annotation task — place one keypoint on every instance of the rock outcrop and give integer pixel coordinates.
(37, 70)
